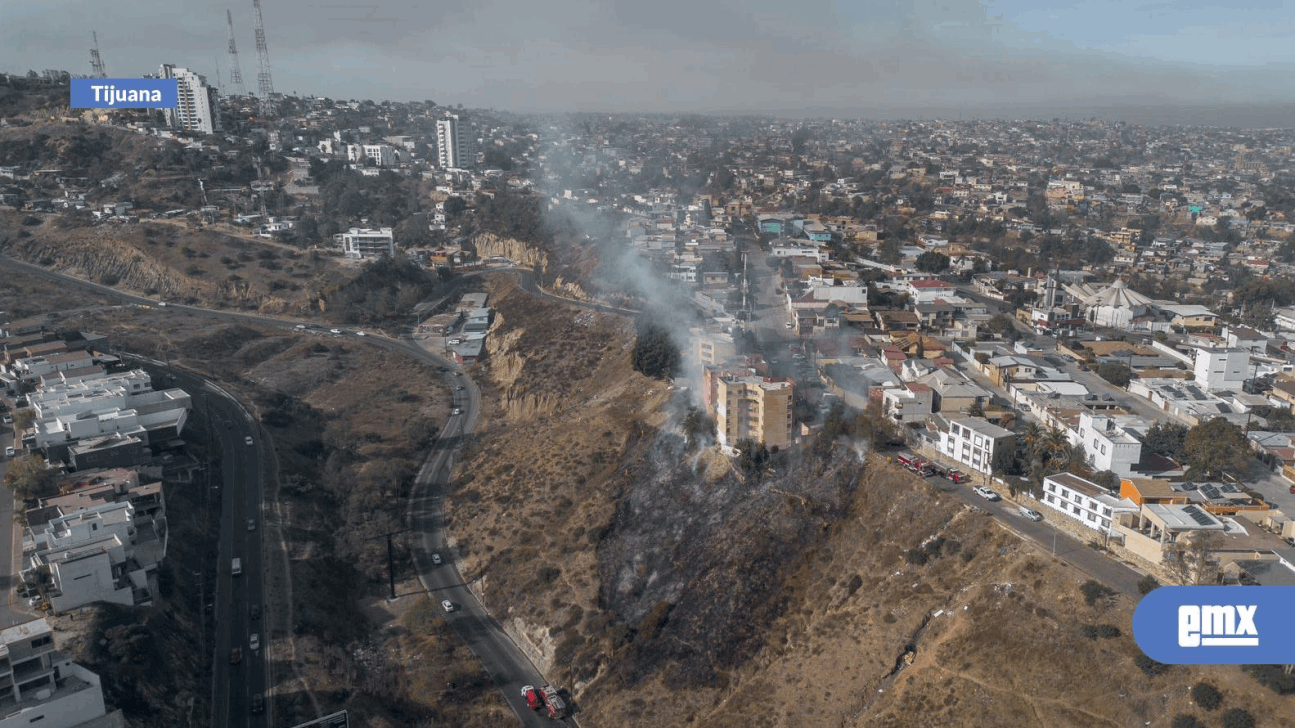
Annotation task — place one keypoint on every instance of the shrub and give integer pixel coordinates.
(1147, 584)
(1184, 720)
(1237, 718)
(549, 574)
(1207, 696)
(1100, 631)
(1149, 666)
(1273, 677)
(1093, 591)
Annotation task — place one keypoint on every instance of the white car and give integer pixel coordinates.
(360, 333)
(436, 559)
(254, 642)
(251, 524)
(987, 493)
(1031, 514)
(8, 451)
(335, 331)
(301, 326)
(447, 605)
(248, 440)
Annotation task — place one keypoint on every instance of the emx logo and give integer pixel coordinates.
(1217, 625)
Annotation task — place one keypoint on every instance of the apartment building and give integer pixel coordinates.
(974, 442)
(122, 404)
(40, 686)
(197, 110)
(454, 148)
(1085, 502)
(362, 243)
(1217, 369)
(758, 408)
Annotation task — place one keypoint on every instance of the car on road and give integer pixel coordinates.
(1031, 514)
(258, 703)
(301, 326)
(236, 655)
(162, 304)
(251, 524)
(447, 605)
(248, 440)
(987, 493)
(360, 333)
(335, 331)
(255, 611)
(456, 411)
(458, 374)
(436, 559)
(459, 388)
(8, 451)
(1292, 487)
(254, 642)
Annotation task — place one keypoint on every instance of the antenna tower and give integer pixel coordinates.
(264, 84)
(96, 62)
(235, 74)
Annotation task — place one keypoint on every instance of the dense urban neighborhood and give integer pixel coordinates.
(1079, 327)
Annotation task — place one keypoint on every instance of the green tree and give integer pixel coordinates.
(24, 418)
(1166, 439)
(1207, 696)
(1215, 448)
(29, 477)
(1115, 373)
(655, 355)
(752, 457)
(1191, 557)
(1237, 718)
(932, 262)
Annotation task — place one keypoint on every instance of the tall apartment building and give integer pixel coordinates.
(41, 686)
(197, 109)
(361, 243)
(758, 408)
(454, 148)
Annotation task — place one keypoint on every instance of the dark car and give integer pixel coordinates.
(256, 611)
(236, 655)
(258, 703)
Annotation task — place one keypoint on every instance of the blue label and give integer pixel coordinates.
(124, 93)
(1217, 625)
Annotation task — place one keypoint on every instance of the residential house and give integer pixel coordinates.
(1085, 502)
(974, 442)
(1106, 443)
(40, 686)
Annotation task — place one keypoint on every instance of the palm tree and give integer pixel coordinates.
(1031, 435)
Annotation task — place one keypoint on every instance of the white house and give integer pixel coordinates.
(1217, 369)
(973, 442)
(361, 243)
(929, 289)
(1087, 503)
(40, 686)
(1106, 444)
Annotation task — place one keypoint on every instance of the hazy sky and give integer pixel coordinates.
(694, 55)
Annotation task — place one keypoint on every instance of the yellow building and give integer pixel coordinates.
(758, 408)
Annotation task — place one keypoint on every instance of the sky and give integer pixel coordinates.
(695, 55)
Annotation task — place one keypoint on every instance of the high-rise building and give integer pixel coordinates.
(758, 408)
(454, 148)
(197, 109)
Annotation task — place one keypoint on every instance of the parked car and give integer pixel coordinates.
(436, 559)
(335, 331)
(1031, 514)
(255, 611)
(254, 642)
(8, 452)
(258, 703)
(251, 524)
(987, 493)
(248, 440)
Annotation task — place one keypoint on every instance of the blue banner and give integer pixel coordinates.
(124, 93)
(1217, 625)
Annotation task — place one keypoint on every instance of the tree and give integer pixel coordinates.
(1191, 557)
(1215, 448)
(29, 477)
(933, 262)
(1166, 439)
(1115, 373)
(752, 456)
(976, 409)
(23, 418)
(1237, 718)
(655, 355)
(1186, 720)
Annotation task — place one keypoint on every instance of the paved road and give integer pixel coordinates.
(12, 610)
(508, 666)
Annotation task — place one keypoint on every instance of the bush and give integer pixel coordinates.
(1100, 631)
(1207, 696)
(549, 574)
(1184, 720)
(1237, 718)
(1093, 591)
(1149, 666)
(1147, 584)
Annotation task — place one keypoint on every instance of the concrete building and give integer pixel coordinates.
(361, 243)
(1217, 369)
(383, 155)
(40, 686)
(758, 408)
(1087, 503)
(1106, 444)
(198, 110)
(100, 541)
(974, 442)
(454, 148)
(122, 404)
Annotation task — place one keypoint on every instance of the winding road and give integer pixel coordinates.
(509, 668)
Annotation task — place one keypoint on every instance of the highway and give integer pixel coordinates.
(242, 468)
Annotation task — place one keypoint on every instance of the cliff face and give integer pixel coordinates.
(489, 245)
(120, 264)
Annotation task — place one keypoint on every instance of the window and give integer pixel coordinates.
(1106, 511)
(1092, 517)
(1103, 449)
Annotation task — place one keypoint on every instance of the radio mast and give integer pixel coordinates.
(264, 84)
(235, 74)
(96, 61)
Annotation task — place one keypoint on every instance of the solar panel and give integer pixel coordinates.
(1210, 492)
(1229, 488)
(1201, 518)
